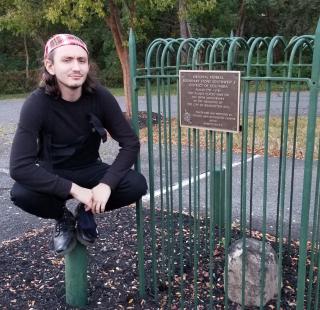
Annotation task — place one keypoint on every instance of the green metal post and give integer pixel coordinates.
(228, 186)
(76, 281)
(219, 197)
(312, 115)
(151, 174)
(228, 210)
(212, 205)
(139, 211)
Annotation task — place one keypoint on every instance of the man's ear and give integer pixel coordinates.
(49, 66)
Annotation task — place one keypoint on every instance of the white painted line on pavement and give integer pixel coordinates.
(4, 170)
(185, 182)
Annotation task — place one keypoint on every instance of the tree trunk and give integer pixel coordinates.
(242, 18)
(27, 56)
(113, 22)
(185, 29)
(39, 41)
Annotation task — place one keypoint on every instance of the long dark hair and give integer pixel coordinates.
(50, 85)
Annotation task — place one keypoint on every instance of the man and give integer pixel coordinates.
(55, 151)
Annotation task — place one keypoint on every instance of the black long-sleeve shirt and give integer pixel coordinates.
(43, 115)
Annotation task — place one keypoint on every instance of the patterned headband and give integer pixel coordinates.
(61, 40)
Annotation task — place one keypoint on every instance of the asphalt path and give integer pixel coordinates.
(10, 108)
(14, 222)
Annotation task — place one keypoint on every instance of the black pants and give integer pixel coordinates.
(129, 190)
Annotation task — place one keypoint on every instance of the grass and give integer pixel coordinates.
(116, 91)
(13, 96)
(119, 91)
(274, 137)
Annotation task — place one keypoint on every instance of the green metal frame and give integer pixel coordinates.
(176, 239)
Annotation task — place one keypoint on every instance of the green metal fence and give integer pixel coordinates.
(208, 188)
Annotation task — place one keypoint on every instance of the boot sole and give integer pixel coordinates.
(82, 241)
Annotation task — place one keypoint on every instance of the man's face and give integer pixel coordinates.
(70, 66)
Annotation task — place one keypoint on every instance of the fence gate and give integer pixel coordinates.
(210, 188)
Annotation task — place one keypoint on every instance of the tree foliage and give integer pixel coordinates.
(119, 16)
(104, 25)
(23, 17)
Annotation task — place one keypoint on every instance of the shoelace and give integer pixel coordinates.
(65, 223)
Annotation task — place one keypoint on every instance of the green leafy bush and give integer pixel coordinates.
(14, 82)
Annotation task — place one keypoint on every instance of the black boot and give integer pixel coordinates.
(64, 239)
(86, 226)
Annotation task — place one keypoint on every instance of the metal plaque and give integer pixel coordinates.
(210, 99)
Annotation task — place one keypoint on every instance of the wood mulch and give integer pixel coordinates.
(32, 277)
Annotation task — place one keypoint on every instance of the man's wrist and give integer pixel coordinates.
(106, 186)
(74, 188)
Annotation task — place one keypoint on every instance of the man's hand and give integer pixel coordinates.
(101, 194)
(82, 194)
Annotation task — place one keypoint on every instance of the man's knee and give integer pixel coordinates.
(136, 186)
(138, 183)
(21, 198)
(18, 195)
(24, 198)
(130, 190)
(42, 205)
